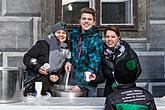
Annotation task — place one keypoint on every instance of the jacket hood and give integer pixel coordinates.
(124, 43)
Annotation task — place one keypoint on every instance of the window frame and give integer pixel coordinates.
(96, 4)
(124, 27)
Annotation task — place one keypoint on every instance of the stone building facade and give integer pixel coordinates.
(20, 22)
(23, 22)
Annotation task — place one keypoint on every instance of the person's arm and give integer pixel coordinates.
(108, 104)
(107, 68)
(132, 55)
(68, 57)
(94, 55)
(129, 53)
(135, 57)
(58, 76)
(40, 52)
(100, 77)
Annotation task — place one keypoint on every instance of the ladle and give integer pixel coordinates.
(66, 81)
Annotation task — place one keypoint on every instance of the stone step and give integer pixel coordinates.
(138, 44)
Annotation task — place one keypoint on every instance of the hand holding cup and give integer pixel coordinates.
(89, 76)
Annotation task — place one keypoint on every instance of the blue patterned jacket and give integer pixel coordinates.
(86, 51)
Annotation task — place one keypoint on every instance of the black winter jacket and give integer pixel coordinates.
(108, 65)
(39, 51)
(130, 97)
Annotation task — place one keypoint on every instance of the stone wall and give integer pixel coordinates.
(47, 15)
(50, 15)
(157, 24)
(20, 29)
(140, 34)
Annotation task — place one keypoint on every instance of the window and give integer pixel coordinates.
(108, 12)
(71, 9)
(118, 12)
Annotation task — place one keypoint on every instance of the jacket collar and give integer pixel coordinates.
(125, 86)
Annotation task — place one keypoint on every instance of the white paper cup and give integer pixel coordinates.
(46, 66)
(87, 74)
(38, 87)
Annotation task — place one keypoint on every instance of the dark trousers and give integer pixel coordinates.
(108, 88)
(46, 84)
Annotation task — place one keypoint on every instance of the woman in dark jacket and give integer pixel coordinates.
(115, 50)
(52, 51)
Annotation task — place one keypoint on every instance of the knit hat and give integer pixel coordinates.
(126, 71)
(58, 26)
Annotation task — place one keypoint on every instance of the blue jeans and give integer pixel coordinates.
(92, 92)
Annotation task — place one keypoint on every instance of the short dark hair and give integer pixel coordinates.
(87, 10)
(113, 28)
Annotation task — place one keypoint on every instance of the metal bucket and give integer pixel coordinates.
(60, 91)
(11, 85)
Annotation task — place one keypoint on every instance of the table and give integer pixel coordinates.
(64, 103)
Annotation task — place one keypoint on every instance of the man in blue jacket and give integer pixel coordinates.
(86, 49)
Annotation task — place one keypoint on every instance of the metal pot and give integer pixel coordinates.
(11, 85)
(60, 91)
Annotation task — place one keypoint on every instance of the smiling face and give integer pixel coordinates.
(61, 35)
(111, 38)
(86, 21)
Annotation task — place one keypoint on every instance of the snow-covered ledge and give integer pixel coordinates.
(64, 103)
